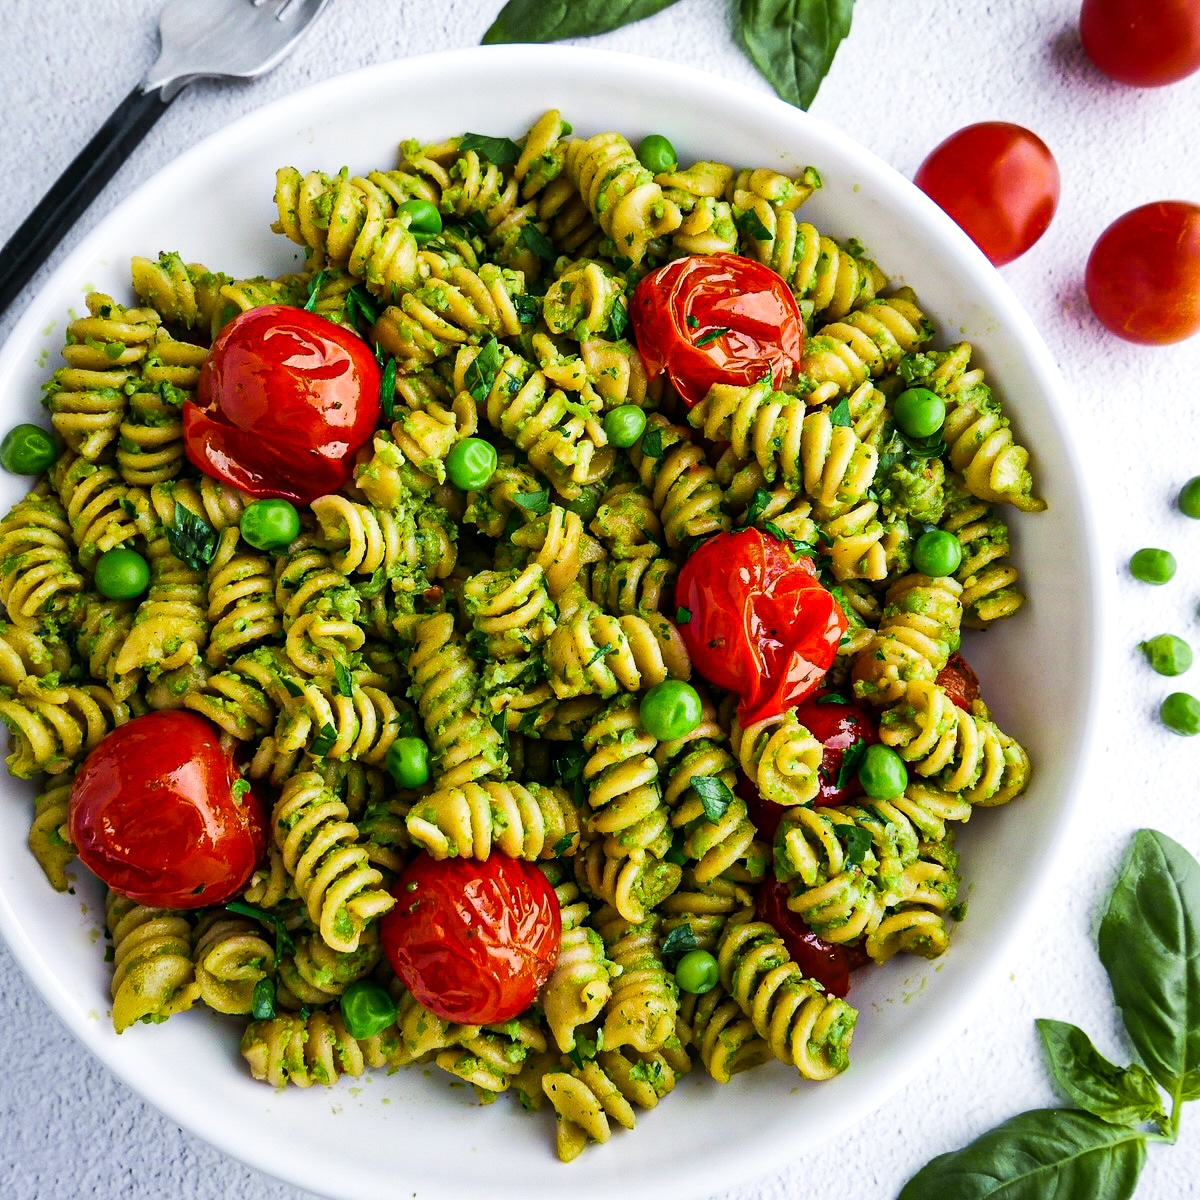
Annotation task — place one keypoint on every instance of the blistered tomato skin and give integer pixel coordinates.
(284, 402)
(998, 181)
(155, 814)
(473, 941)
(837, 727)
(1143, 275)
(716, 318)
(761, 625)
(959, 682)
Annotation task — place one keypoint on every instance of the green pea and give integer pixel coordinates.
(27, 450)
(919, 412)
(882, 773)
(1153, 566)
(408, 762)
(1167, 654)
(937, 553)
(623, 426)
(697, 972)
(424, 220)
(586, 504)
(1189, 498)
(1181, 714)
(471, 463)
(671, 709)
(270, 524)
(367, 1009)
(122, 574)
(657, 154)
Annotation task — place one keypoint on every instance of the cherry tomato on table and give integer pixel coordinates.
(998, 181)
(1143, 276)
(716, 318)
(761, 623)
(823, 961)
(1146, 45)
(473, 941)
(159, 812)
(284, 401)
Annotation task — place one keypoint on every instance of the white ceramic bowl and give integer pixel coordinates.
(411, 1133)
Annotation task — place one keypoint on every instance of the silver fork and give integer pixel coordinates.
(233, 39)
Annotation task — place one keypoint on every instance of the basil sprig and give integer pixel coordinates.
(1148, 944)
(791, 42)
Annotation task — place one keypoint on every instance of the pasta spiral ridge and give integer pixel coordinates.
(241, 600)
(724, 1036)
(153, 977)
(642, 1008)
(633, 885)
(37, 577)
(231, 955)
(780, 757)
(52, 726)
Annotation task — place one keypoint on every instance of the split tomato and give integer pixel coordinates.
(473, 941)
(716, 318)
(159, 812)
(761, 623)
(285, 401)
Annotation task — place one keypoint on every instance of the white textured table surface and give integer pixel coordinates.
(909, 75)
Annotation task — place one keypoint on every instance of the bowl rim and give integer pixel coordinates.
(985, 280)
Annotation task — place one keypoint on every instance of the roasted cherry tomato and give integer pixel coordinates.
(959, 682)
(1143, 276)
(1146, 45)
(473, 941)
(284, 402)
(716, 318)
(837, 726)
(998, 181)
(761, 623)
(828, 964)
(159, 812)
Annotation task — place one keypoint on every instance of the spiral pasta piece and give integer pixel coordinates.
(780, 757)
(529, 821)
(511, 611)
(579, 303)
(315, 974)
(633, 586)
(348, 716)
(988, 582)
(724, 1036)
(304, 1050)
(54, 726)
(244, 699)
(703, 907)
(491, 1058)
(49, 836)
(633, 885)
(231, 955)
(803, 1026)
(318, 608)
(241, 600)
(642, 1008)
(320, 851)
(580, 985)
(153, 977)
(37, 576)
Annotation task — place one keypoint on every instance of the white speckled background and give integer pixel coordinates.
(910, 74)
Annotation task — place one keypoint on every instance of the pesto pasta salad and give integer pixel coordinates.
(525, 639)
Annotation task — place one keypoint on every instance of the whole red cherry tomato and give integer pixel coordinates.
(959, 682)
(1146, 45)
(716, 318)
(837, 726)
(285, 400)
(828, 964)
(1143, 276)
(761, 624)
(998, 181)
(159, 812)
(473, 941)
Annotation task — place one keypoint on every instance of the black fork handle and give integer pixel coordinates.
(76, 188)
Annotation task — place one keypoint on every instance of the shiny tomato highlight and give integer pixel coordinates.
(1143, 276)
(284, 402)
(837, 726)
(998, 181)
(959, 682)
(829, 964)
(761, 624)
(716, 318)
(473, 941)
(155, 813)
(1142, 44)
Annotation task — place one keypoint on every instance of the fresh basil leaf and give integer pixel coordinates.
(262, 1000)
(680, 941)
(499, 723)
(618, 321)
(535, 241)
(360, 305)
(750, 223)
(714, 795)
(792, 42)
(683, 616)
(550, 20)
(928, 447)
(1119, 1095)
(601, 651)
(387, 389)
(536, 503)
(1050, 1152)
(527, 308)
(758, 505)
(283, 939)
(851, 761)
(651, 444)
(839, 414)
(191, 538)
(711, 335)
(342, 680)
(1150, 946)
(858, 842)
(323, 742)
(502, 151)
(563, 844)
(290, 686)
(481, 373)
(315, 284)
(832, 698)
